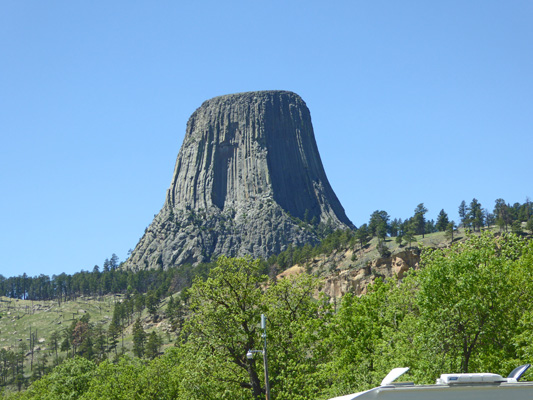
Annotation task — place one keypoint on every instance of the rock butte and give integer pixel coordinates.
(248, 180)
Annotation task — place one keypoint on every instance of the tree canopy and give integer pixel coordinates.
(467, 308)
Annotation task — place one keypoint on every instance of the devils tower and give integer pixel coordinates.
(248, 180)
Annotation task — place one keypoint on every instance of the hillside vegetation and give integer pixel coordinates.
(199, 321)
(467, 308)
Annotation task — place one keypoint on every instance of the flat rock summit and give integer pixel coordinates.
(248, 180)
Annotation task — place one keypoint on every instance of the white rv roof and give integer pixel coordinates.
(507, 391)
(482, 386)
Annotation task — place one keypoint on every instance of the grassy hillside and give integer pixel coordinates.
(21, 319)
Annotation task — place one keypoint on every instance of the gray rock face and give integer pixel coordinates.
(248, 180)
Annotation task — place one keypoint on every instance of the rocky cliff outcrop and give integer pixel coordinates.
(348, 271)
(248, 180)
(356, 280)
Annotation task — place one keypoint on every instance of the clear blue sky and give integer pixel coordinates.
(412, 102)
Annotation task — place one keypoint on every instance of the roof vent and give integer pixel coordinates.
(517, 373)
(452, 379)
(393, 375)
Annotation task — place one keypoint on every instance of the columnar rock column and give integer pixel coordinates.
(248, 180)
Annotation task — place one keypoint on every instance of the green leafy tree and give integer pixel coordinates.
(121, 380)
(297, 327)
(357, 338)
(223, 326)
(69, 380)
(222, 310)
(467, 308)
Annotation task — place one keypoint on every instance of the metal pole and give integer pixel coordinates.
(265, 358)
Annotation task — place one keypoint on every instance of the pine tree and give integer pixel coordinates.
(442, 221)
(502, 214)
(139, 338)
(394, 227)
(113, 332)
(153, 345)
(463, 214)
(450, 229)
(376, 219)
(475, 214)
(399, 240)
(152, 304)
(529, 225)
(362, 235)
(419, 219)
(409, 235)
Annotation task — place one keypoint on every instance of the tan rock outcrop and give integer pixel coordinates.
(356, 280)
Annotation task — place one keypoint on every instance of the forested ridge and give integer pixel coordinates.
(112, 278)
(468, 308)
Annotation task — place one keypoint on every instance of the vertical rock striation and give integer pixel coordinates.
(248, 180)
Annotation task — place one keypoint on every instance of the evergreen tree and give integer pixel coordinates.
(463, 214)
(409, 236)
(113, 333)
(362, 235)
(139, 338)
(113, 262)
(475, 215)
(442, 221)
(378, 218)
(394, 227)
(138, 303)
(450, 230)
(383, 250)
(419, 219)
(152, 303)
(381, 231)
(399, 240)
(502, 214)
(430, 226)
(100, 343)
(516, 227)
(490, 220)
(54, 344)
(153, 345)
